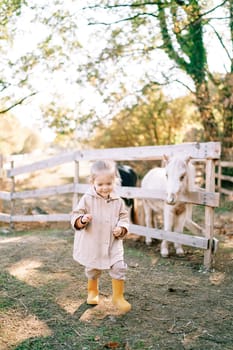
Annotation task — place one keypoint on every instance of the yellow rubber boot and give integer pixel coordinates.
(93, 292)
(118, 296)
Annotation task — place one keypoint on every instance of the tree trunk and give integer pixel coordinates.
(203, 102)
(226, 100)
(190, 40)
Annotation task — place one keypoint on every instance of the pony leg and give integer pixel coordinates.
(168, 223)
(148, 219)
(179, 227)
(164, 249)
(179, 249)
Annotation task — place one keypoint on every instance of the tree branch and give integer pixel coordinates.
(139, 4)
(167, 82)
(3, 85)
(17, 103)
(221, 42)
(124, 19)
(214, 8)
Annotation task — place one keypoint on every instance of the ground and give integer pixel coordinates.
(176, 303)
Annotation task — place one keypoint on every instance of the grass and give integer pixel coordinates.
(226, 205)
(67, 331)
(39, 295)
(175, 305)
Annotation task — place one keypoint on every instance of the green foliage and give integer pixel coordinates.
(153, 120)
(187, 27)
(59, 118)
(8, 8)
(139, 31)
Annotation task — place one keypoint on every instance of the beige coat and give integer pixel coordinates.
(95, 246)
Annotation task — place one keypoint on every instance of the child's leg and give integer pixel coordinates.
(117, 272)
(92, 286)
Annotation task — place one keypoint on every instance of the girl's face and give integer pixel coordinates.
(103, 184)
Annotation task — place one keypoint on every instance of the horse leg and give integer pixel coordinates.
(133, 213)
(179, 227)
(148, 219)
(168, 223)
(129, 208)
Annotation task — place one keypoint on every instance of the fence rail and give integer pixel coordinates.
(208, 152)
(220, 177)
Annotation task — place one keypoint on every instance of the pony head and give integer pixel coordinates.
(176, 170)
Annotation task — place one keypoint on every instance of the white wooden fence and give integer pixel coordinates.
(227, 178)
(207, 152)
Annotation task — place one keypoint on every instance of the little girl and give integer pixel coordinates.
(101, 222)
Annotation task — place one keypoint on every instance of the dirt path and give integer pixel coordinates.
(175, 303)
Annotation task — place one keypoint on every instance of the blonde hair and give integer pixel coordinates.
(104, 166)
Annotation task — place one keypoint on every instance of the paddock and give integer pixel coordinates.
(208, 153)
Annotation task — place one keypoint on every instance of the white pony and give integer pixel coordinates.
(177, 177)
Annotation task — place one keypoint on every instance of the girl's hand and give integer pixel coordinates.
(119, 232)
(85, 219)
(82, 221)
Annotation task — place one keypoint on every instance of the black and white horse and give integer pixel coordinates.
(128, 178)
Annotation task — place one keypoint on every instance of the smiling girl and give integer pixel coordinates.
(101, 222)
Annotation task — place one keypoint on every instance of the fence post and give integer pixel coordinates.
(76, 180)
(209, 213)
(219, 176)
(12, 199)
(1, 180)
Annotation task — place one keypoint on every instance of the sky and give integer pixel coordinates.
(29, 35)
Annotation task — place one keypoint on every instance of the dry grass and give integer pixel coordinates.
(175, 303)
